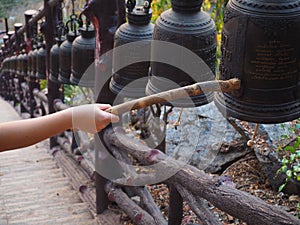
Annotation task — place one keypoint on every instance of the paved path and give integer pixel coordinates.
(33, 189)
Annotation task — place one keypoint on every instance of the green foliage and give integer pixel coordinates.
(290, 163)
(216, 9)
(70, 92)
(75, 95)
(7, 5)
(43, 84)
(158, 6)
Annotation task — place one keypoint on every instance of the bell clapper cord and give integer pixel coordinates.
(178, 93)
(251, 142)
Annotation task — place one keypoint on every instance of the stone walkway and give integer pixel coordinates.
(33, 190)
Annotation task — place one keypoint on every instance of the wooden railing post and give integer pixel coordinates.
(31, 31)
(54, 89)
(103, 14)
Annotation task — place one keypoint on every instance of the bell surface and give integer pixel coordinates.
(13, 65)
(65, 55)
(260, 46)
(131, 80)
(82, 57)
(5, 65)
(24, 64)
(10, 64)
(41, 63)
(19, 64)
(54, 62)
(29, 65)
(34, 63)
(189, 27)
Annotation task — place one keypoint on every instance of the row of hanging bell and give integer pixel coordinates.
(184, 25)
(60, 53)
(35, 62)
(187, 26)
(83, 56)
(70, 59)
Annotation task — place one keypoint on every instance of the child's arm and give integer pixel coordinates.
(89, 118)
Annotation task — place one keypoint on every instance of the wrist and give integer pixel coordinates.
(67, 118)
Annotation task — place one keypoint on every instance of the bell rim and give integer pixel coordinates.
(258, 113)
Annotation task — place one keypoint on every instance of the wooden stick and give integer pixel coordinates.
(178, 93)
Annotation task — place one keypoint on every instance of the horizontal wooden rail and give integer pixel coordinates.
(59, 105)
(37, 93)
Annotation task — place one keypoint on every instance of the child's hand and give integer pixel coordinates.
(92, 118)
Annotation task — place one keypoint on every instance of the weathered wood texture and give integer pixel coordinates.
(178, 93)
(139, 216)
(198, 206)
(237, 203)
(34, 191)
(146, 200)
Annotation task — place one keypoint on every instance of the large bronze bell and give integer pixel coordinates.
(82, 57)
(260, 46)
(41, 63)
(187, 26)
(54, 62)
(131, 80)
(65, 59)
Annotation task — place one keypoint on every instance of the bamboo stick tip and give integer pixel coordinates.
(235, 83)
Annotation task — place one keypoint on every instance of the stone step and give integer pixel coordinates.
(34, 191)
